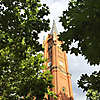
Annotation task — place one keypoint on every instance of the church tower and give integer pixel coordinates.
(58, 65)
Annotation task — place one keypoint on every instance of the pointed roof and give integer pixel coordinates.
(54, 28)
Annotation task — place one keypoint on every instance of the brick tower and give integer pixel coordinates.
(58, 65)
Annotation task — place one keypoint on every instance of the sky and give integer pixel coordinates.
(77, 64)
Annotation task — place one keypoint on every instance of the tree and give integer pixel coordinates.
(91, 84)
(20, 63)
(81, 22)
(93, 95)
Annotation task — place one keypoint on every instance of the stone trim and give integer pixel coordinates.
(51, 68)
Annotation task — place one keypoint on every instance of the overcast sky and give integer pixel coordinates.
(77, 65)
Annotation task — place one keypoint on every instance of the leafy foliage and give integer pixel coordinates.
(20, 65)
(93, 95)
(91, 84)
(81, 22)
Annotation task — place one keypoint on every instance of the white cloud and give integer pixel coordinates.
(77, 65)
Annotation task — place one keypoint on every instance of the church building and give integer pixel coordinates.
(58, 65)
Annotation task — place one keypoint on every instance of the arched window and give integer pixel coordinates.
(63, 89)
(49, 45)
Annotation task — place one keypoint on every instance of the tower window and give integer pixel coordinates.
(63, 89)
(50, 46)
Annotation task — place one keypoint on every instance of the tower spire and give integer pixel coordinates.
(54, 28)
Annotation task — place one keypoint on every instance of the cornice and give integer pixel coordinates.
(51, 68)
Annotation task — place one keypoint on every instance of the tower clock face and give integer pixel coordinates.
(49, 63)
(61, 63)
